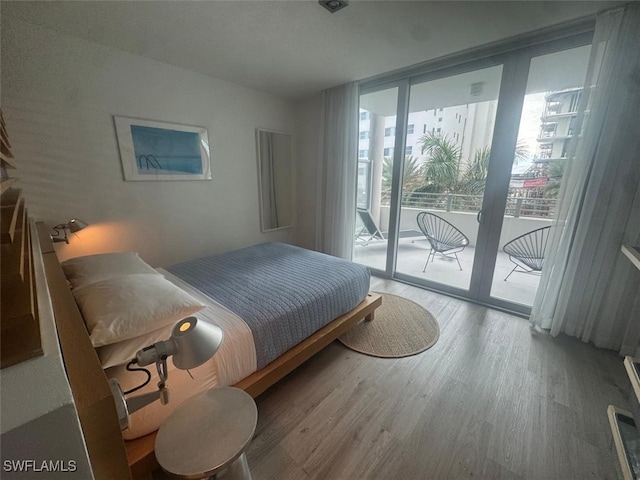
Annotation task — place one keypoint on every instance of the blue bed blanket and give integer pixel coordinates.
(284, 293)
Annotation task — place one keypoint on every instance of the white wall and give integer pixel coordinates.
(58, 96)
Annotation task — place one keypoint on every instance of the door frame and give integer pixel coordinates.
(515, 57)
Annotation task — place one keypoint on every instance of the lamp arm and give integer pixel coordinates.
(136, 403)
(140, 401)
(126, 406)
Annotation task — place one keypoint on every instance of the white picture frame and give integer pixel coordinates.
(161, 151)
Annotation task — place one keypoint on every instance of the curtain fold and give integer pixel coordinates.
(337, 170)
(588, 289)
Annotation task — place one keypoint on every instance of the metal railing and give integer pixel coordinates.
(450, 202)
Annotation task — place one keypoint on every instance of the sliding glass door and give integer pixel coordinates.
(456, 163)
(546, 130)
(450, 125)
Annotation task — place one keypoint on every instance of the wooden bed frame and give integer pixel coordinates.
(111, 457)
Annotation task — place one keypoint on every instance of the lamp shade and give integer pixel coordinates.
(195, 342)
(75, 225)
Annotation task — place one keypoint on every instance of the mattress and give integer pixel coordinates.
(284, 293)
(266, 298)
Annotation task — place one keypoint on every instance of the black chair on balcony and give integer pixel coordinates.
(369, 230)
(527, 251)
(443, 237)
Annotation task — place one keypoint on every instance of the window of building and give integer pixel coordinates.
(363, 153)
(388, 152)
(364, 135)
(408, 150)
(438, 130)
(389, 132)
(410, 129)
(364, 115)
(439, 119)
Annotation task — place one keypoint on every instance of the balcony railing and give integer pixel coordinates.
(449, 202)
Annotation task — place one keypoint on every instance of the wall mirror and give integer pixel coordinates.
(275, 179)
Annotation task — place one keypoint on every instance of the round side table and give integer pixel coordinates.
(208, 434)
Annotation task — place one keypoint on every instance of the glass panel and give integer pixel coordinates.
(554, 88)
(375, 164)
(444, 175)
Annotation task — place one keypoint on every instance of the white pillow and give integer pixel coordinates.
(129, 306)
(81, 271)
(122, 352)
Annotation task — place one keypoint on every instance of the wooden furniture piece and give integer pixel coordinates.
(208, 434)
(20, 328)
(94, 402)
(90, 386)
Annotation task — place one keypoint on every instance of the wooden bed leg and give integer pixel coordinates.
(369, 317)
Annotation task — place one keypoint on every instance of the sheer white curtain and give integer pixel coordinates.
(588, 289)
(337, 169)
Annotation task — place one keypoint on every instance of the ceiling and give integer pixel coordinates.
(295, 48)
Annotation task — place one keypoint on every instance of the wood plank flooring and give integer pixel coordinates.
(488, 401)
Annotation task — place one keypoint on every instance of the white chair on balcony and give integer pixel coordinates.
(443, 237)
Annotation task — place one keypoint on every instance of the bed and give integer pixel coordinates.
(254, 276)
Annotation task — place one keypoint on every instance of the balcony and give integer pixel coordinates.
(522, 215)
(539, 208)
(552, 115)
(412, 255)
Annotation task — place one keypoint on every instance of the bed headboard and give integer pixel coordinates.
(91, 393)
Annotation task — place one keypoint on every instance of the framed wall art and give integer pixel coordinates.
(156, 151)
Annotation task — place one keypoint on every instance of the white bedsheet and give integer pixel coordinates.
(234, 360)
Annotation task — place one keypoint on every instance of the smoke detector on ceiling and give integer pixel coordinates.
(333, 5)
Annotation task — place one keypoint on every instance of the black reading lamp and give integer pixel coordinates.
(192, 343)
(59, 232)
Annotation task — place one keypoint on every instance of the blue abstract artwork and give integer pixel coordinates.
(159, 151)
(151, 150)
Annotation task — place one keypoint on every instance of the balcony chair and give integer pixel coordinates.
(369, 228)
(527, 251)
(443, 237)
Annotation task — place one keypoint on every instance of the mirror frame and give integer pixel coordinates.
(291, 195)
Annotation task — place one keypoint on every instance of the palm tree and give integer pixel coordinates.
(522, 153)
(441, 165)
(412, 174)
(554, 173)
(475, 175)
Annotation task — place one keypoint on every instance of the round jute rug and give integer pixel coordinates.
(400, 328)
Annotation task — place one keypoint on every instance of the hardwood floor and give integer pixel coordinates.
(489, 400)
